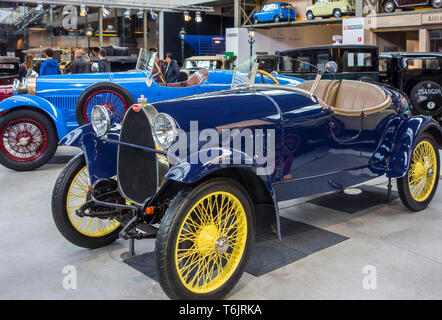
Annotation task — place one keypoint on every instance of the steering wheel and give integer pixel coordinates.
(265, 73)
(162, 77)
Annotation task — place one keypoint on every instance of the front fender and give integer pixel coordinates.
(187, 171)
(409, 131)
(101, 157)
(36, 102)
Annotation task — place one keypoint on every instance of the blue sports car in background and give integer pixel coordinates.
(45, 109)
(275, 12)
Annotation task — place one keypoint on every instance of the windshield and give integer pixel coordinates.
(201, 64)
(146, 61)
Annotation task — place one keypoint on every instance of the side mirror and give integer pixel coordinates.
(331, 67)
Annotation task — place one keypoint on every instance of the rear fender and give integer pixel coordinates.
(188, 173)
(409, 131)
(38, 103)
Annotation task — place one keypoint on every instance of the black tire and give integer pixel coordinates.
(168, 233)
(43, 153)
(60, 213)
(110, 87)
(337, 13)
(437, 4)
(310, 15)
(276, 19)
(403, 186)
(389, 6)
(426, 97)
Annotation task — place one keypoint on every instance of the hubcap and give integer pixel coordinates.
(431, 105)
(23, 140)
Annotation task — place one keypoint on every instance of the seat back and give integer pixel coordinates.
(355, 97)
(325, 91)
(197, 78)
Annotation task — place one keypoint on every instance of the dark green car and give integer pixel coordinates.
(355, 62)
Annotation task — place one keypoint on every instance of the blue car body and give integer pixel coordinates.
(284, 11)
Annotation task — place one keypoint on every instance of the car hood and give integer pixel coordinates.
(74, 84)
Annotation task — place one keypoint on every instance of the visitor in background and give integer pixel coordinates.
(103, 64)
(50, 66)
(172, 72)
(80, 64)
(26, 66)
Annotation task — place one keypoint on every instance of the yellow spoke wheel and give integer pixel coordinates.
(422, 173)
(70, 193)
(211, 242)
(76, 197)
(417, 188)
(204, 240)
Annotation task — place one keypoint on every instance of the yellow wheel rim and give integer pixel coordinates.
(423, 171)
(76, 197)
(211, 242)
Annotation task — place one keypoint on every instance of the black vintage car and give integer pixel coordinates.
(355, 62)
(417, 74)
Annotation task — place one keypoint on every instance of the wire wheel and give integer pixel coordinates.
(211, 242)
(23, 140)
(76, 197)
(108, 98)
(422, 173)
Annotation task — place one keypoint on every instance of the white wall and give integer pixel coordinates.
(278, 39)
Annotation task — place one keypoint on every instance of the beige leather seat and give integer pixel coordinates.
(348, 97)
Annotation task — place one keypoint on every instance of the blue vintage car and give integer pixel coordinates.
(275, 12)
(45, 109)
(211, 169)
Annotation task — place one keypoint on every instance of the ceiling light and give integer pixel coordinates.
(198, 17)
(83, 10)
(39, 7)
(106, 12)
(140, 14)
(126, 14)
(153, 15)
(187, 16)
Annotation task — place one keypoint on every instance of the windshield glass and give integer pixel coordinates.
(146, 61)
(200, 64)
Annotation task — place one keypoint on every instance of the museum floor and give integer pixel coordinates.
(323, 255)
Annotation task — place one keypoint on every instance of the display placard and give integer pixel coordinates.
(353, 31)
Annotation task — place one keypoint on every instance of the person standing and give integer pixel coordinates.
(80, 64)
(26, 66)
(103, 64)
(50, 66)
(172, 72)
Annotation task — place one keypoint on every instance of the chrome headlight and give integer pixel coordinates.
(164, 130)
(101, 119)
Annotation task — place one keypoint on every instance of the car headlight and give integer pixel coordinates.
(164, 130)
(101, 119)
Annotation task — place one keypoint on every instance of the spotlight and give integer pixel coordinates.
(83, 10)
(140, 14)
(106, 12)
(198, 17)
(126, 14)
(187, 16)
(153, 15)
(39, 7)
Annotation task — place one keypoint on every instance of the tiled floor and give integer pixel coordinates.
(405, 248)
